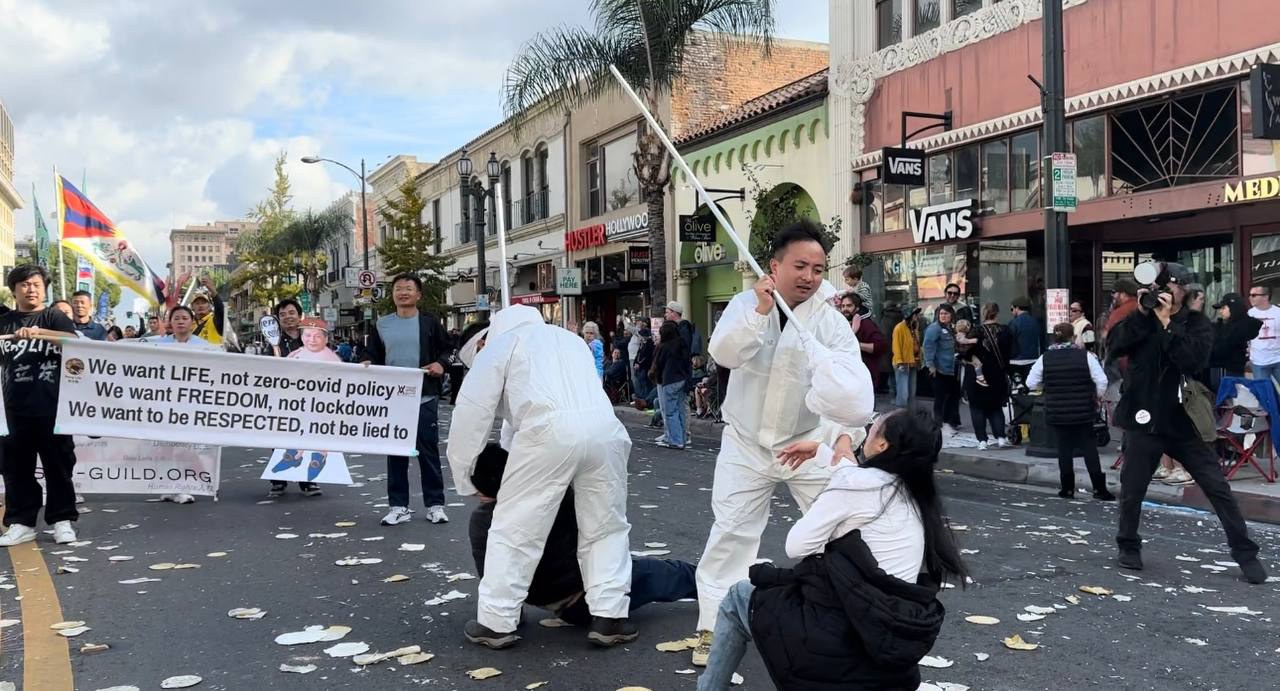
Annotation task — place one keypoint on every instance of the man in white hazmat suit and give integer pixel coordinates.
(784, 387)
(561, 431)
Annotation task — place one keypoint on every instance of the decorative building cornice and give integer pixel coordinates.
(856, 79)
(1172, 80)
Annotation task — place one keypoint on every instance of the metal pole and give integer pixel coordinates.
(478, 195)
(1056, 246)
(364, 216)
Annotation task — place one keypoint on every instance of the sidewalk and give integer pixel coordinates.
(1259, 500)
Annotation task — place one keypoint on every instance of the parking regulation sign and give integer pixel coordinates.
(1063, 183)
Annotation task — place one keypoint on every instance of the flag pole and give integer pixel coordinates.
(501, 220)
(62, 218)
(743, 249)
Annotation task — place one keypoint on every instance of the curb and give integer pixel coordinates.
(1013, 466)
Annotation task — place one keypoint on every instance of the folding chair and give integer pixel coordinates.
(1244, 435)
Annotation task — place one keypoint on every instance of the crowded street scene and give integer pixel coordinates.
(640, 345)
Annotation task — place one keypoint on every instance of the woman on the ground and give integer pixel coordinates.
(940, 363)
(672, 369)
(861, 609)
(988, 396)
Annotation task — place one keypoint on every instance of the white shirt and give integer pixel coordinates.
(871, 500)
(1265, 349)
(1035, 379)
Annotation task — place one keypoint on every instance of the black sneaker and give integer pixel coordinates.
(310, 489)
(277, 489)
(1253, 571)
(1104, 495)
(1129, 559)
(606, 632)
(482, 635)
(1066, 495)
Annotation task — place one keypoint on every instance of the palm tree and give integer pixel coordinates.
(303, 242)
(646, 40)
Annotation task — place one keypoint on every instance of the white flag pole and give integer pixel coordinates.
(500, 217)
(743, 249)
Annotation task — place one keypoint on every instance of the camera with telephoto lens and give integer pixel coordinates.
(1156, 277)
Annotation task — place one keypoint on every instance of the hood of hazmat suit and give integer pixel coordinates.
(530, 375)
(788, 383)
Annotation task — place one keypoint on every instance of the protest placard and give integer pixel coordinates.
(132, 466)
(145, 391)
(298, 465)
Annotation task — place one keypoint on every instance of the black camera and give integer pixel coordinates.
(1156, 277)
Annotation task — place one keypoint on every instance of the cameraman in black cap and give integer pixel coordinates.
(1167, 343)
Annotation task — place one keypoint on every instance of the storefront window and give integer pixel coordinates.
(888, 22)
(1176, 141)
(919, 277)
(928, 15)
(1088, 141)
(615, 267)
(995, 177)
(1260, 155)
(872, 207)
(1265, 264)
(1025, 171)
(620, 186)
(966, 172)
(894, 208)
(917, 198)
(940, 178)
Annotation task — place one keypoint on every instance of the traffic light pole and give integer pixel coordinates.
(1056, 247)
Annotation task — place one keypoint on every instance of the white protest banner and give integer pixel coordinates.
(4, 419)
(298, 465)
(131, 466)
(158, 393)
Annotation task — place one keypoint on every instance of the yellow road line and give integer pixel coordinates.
(46, 657)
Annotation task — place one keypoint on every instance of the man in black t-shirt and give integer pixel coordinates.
(31, 370)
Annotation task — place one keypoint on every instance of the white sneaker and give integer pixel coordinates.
(1003, 443)
(178, 498)
(79, 498)
(17, 534)
(397, 515)
(436, 514)
(982, 446)
(64, 532)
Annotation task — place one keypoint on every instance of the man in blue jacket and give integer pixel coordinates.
(1028, 334)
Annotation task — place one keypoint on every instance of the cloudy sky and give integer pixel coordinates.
(174, 111)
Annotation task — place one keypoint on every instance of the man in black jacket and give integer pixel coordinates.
(409, 338)
(557, 583)
(1165, 346)
(1073, 383)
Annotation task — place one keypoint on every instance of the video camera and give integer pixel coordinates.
(1156, 277)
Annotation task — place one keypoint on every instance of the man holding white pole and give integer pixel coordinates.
(771, 403)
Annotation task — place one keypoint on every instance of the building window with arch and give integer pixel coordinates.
(540, 205)
(888, 23)
(507, 194)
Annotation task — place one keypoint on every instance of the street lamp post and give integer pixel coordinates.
(467, 193)
(364, 210)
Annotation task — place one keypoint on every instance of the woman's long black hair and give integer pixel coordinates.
(914, 442)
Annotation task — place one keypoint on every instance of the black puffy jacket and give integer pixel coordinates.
(1231, 342)
(557, 576)
(1159, 358)
(837, 621)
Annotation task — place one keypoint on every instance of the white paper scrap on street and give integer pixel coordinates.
(133, 466)
(145, 391)
(298, 465)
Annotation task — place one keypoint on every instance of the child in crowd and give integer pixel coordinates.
(861, 609)
(964, 349)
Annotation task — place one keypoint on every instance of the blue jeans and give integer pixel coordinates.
(904, 378)
(641, 387)
(1271, 372)
(674, 411)
(652, 580)
(733, 633)
(428, 445)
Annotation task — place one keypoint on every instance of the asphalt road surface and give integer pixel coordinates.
(1024, 547)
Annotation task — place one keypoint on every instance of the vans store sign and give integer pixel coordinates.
(942, 222)
(903, 167)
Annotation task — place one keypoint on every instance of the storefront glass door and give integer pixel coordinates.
(1210, 261)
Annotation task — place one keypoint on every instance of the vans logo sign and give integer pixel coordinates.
(942, 222)
(903, 167)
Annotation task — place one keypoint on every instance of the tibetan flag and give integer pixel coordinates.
(88, 231)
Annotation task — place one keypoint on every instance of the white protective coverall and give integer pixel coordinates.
(542, 381)
(784, 387)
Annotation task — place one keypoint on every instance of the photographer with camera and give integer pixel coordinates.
(1162, 411)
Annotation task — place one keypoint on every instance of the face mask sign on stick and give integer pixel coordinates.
(270, 329)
